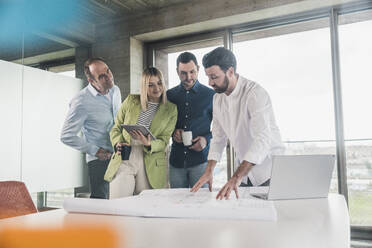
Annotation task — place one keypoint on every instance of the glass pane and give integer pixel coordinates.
(11, 48)
(355, 55)
(68, 73)
(10, 126)
(55, 199)
(167, 58)
(34, 198)
(293, 63)
(173, 79)
(11, 35)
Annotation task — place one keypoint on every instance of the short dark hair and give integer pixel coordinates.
(87, 63)
(222, 57)
(185, 58)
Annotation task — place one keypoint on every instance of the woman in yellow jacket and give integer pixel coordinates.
(147, 165)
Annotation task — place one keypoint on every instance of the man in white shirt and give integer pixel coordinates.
(242, 113)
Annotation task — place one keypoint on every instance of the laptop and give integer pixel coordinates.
(298, 177)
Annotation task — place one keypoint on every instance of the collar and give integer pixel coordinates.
(236, 90)
(195, 88)
(92, 90)
(95, 92)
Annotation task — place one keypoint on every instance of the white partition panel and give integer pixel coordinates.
(10, 124)
(47, 163)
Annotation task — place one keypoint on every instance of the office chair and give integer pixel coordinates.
(15, 200)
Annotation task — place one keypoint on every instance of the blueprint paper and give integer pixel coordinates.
(179, 203)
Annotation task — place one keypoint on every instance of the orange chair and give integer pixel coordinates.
(15, 200)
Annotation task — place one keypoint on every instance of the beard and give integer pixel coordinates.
(223, 88)
(188, 84)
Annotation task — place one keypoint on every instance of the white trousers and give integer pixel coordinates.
(131, 178)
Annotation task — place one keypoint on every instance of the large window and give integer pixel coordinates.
(355, 58)
(292, 59)
(296, 70)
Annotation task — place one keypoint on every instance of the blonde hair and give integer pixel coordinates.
(146, 75)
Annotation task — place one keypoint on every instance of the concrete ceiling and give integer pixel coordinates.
(47, 26)
(103, 10)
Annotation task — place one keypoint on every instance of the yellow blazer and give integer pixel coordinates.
(162, 127)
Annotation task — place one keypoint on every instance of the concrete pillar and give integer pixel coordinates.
(81, 55)
(117, 55)
(161, 63)
(136, 64)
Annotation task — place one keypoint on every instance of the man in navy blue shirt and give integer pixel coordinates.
(194, 105)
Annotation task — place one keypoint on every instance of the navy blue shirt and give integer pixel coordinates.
(194, 114)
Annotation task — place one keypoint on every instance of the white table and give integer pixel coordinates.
(301, 223)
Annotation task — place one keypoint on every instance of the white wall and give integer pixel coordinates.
(36, 155)
(10, 124)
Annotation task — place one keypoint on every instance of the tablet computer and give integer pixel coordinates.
(144, 130)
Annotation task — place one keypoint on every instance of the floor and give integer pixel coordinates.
(361, 244)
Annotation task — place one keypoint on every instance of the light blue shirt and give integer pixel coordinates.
(93, 114)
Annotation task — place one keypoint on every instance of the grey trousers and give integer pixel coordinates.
(99, 188)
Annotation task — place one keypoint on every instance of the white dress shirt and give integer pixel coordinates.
(93, 114)
(246, 118)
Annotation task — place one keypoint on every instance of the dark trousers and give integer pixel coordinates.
(249, 183)
(99, 188)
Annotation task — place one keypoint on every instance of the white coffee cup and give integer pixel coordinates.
(187, 138)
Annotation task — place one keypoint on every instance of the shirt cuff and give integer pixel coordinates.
(214, 156)
(93, 150)
(253, 158)
(151, 148)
